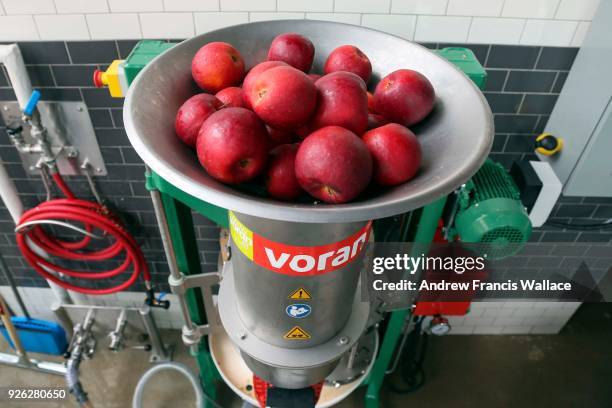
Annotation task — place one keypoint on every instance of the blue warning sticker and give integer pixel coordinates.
(298, 310)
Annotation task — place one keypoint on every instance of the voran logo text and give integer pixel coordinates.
(314, 260)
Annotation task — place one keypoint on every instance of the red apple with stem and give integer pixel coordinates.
(217, 65)
(233, 145)
(333, 165)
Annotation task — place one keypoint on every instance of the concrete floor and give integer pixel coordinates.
(573, 369)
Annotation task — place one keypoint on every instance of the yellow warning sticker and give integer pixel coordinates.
(297, 333)
(300, 294)
(242, 236)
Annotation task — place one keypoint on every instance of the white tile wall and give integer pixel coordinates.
(62, 26)
(533, 22)
(348, 18)
(275, 16)
(577, 9)
(123, 6)
(581, 31)
(548, 32)
(29, 6)
(363, 6)
(80, 6)
(442, 28)
(191, 5)
(305, 5)
(400, 25)
(114, 26)
(251, 5)
(530, 8)
(484, 8)
(211, 21)
(167, 25)
(419, 6)
(496, 30)
(18, 28)
(524, 317)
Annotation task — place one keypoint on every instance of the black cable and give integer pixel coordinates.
(412, 372)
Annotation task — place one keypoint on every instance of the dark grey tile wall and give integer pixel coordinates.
(523, 85)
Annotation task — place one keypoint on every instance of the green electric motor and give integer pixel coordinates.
(488, 210)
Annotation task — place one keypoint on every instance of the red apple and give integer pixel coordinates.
(192, 114)
(314, 77)
(281, 182)
(249, 79)
(404, 96)
(351, 59)
(375, 120)
(294, 49)
(283, 97)
(333, 165)
(279, 137)
(396, 152)
(232, 97)
(342, 101)
(232, 145)
(303, 132)
(217, 65)
(371, 103)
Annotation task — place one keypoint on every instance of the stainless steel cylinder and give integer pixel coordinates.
(295, 282)
(283, 366)
(159, 352)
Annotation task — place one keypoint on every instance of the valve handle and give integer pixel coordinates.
(32, 102)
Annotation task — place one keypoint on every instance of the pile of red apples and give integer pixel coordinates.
(299, 132)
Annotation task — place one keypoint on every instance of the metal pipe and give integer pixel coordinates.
(86, 167)
(158, 349)
(99, 307)
(11, 281)
(162, 223)
(10, 56)
(78, 350)
(44, 175)
(61, 315)
(116, 336)
(351, 357)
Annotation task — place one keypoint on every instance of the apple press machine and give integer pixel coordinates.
(282, 322)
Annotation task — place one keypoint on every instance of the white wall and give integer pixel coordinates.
(528, 22)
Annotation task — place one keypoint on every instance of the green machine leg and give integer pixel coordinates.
(180, 223)
(182, 235)
(424, 233)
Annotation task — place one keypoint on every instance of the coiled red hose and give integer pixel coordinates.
(92, 216)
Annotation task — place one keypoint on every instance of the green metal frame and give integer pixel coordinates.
(419, 227)
(183, 237)
(426, 220)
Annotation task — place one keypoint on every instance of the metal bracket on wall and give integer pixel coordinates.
(205, 282)
(70, 133)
